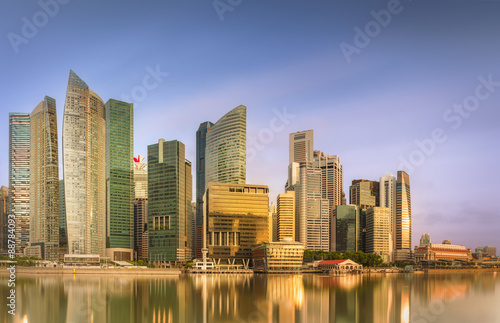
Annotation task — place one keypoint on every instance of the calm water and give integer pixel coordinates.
(260, 298)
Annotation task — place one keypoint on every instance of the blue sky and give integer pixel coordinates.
(397, 88)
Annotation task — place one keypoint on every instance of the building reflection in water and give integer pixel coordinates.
(254, 298)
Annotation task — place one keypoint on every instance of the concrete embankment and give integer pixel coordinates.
(81, 271)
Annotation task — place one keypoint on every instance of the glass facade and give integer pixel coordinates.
(63, 235)
(84, 161)
(120, 174)
(4, 207)
(348, 228)
(225, 154)
(201, 143)
(169, 202)
(44, 179)
(364, 193)
(403, 213)
(141, 208)
(19, 176)
(378, 232)
(237, 217)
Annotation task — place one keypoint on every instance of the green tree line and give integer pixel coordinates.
(365, 259)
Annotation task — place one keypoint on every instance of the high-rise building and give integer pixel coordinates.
(4, 208)
(237, 218)
(387, 194)
(169, 202)
(63, 231)
(403, 217)
(286, 216)
(44, 179)
(378, 232)
(312, 217)
(301, 147)
(364, 193)
(273, 222)
(225, 152)
(201, 143)
(346, 230)
(141, 208)
(119, 179)
(425, 240)
(332, 178)
(19, 177)
(84, 161)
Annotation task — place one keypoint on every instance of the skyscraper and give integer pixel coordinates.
(332, 178)
(63, 231)
(301, 147)
(19, 176)
(84, 163)
(286, 216)
(312, 217)
(201, 143)
(4, 207)
(346, 231)
(44, 179)
(169, 202)
(225, 153)
(141, 208)
(364, 193)
(378, 232)
(387, 192)
(120, 178)
(403, 217)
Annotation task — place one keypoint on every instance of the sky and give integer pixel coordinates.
(385, 85)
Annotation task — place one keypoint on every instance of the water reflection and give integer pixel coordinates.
(256, 298)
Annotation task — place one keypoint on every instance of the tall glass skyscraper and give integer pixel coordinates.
(225, 154)
(201, 143)
(169, 202)
(141, 207)
(120, 175)
(44, 179)
(19, 176)
(84, 163)
(346, 229)
(403, 217)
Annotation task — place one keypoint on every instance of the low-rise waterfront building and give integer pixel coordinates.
(442, 252)
(340, 266)
(278, 256)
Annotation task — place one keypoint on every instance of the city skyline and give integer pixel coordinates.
(401, 85)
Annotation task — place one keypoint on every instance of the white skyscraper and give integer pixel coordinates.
(387, 193)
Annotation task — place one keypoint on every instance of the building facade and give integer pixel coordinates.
(403, 217)
(84, 160)
(283, 256)
(301, 147)
(378, 232)
(346, 229)
(201, 144)
(364, 193)
(387, 198)
(120, 176)
(237, 218)
(332, 178)
(169, 202)
(141, 208)
(442, 252)
(19, 176)
(44, 179)
(286, 216)
(4, 208)
(225, 152)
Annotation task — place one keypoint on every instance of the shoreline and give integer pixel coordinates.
(178, 272)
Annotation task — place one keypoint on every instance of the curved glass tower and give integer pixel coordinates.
(84, 167)
(225, 150)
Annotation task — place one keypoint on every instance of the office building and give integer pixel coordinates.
(273, 222)
(487, 251)
(283, 256)
(237, 220)
(44, 179)
(19, 177)
(425, 240)
(286, 216)
(332, 178)
(312, 217)
(119, 180)
(84, 161)
(403, 217)
(378, 232)
(141, 208)
(4, 208)
(442, 252)
(169, 202)
(201, 144)
(225, 152)
(63, 231)
(387, 198)
(364, 193)
(346, 229)
(301, 147)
